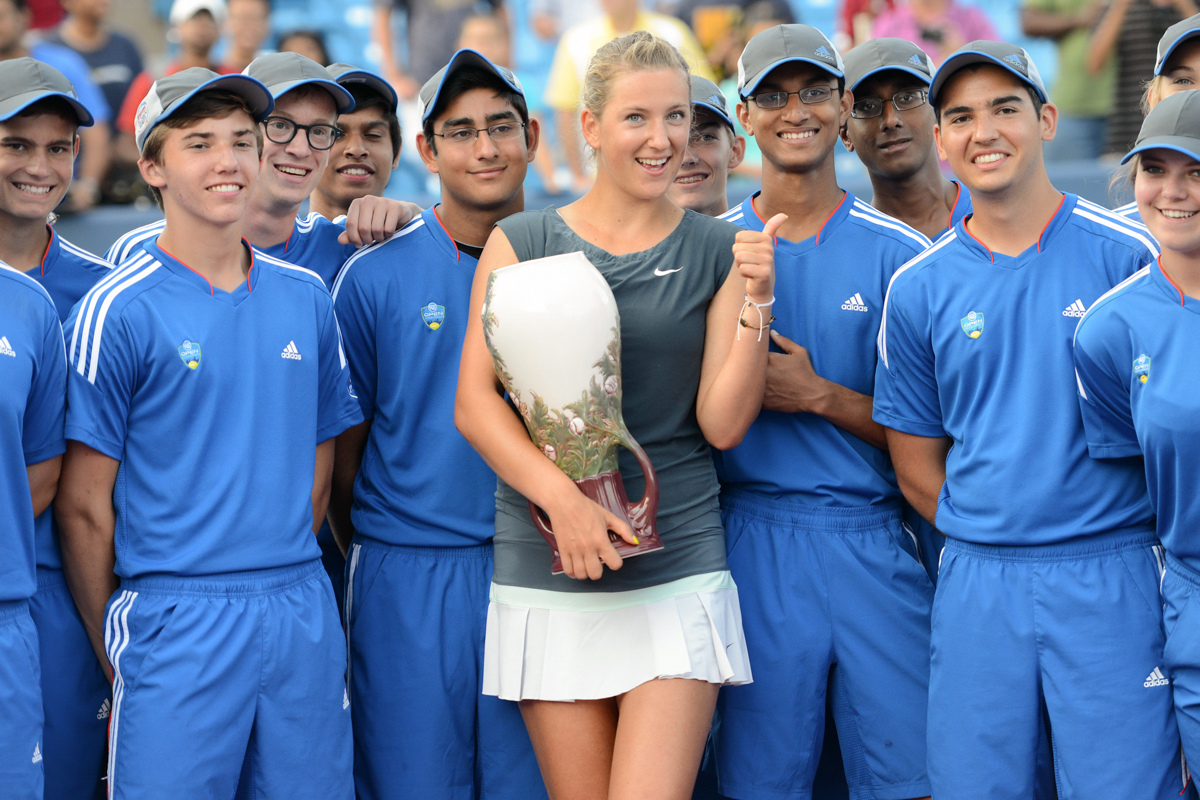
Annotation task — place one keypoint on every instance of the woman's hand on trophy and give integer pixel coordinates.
(754, 259)
(581, 529)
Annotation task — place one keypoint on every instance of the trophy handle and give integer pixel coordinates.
(643, 513)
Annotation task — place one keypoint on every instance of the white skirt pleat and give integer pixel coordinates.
(549, 654)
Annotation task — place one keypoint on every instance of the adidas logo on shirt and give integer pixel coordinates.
(1156, 678)
(6, 348)
(855, 303)
(105, 709)
(1076, 309)
(345, 699)
(291, 352)
(37, 753)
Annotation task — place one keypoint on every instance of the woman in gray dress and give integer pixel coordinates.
(638, 648)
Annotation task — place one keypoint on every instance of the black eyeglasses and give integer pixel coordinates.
(810, 96)
(903, 101)
(499, 132)
(282, 130)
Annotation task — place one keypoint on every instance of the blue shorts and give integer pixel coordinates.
(213, 672)
(76, 697)
(1181, 618)
(21, 767)
(1077, 625)
(822, 590)
(422, 726)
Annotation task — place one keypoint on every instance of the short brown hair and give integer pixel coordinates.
(205, 105)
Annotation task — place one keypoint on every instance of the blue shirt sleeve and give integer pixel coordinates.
(906, 393)
(42, 434)
(337, 408)
(98, 397)
(1103, 371)
(356, 318)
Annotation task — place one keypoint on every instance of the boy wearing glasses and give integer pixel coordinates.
(206, 384)
(832, 595)
(891, 130)
(411, 499)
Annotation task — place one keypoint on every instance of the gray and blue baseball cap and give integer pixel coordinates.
(25, 81)
(431, 92)
(885, 55)
(1001, 54)
(1173, 124)
(707, 94)
(283, 72)
(1174, 36)
(346, 75)
(168, 93)
(783, 44)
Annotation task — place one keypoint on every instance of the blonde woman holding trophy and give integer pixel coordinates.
(616, 661)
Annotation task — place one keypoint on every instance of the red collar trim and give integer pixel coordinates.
(957, 197)
(457, 254)
(775, 240)
(1047, 225)
(976, 238)
(46, 252)
(1170, 280)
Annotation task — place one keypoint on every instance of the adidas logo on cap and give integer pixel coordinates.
(823, 52)
(1076, 309)
(916, 59)
(291, 352)
(855, 303)
(1156, 678)
(1015, 60)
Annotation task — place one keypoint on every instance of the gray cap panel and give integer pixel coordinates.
(1173, 124)
(25, 81)
(283, 72)
(879, 55)
(431, 92)
(346, 75)
(707, 94)
(169, 93)
(783, 44)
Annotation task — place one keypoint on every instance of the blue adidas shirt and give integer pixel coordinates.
(1129, 211)
(1139, 390)
(977, 346)
(33, 386)
(403, 307)
(829, 294)
(214, 403)
(67, 272)
(313, 245)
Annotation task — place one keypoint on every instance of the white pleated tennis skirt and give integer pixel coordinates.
(544, 645)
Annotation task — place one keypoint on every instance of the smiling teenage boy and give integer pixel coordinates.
(299, 135)
(417, 509)
(825, 573)
(32, 390)
(39, 120)
(1048, 587)
(363, 157)
(206, 385)
(891, 130)
(714, 148)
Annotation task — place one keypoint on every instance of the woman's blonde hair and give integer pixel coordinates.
(634, 51)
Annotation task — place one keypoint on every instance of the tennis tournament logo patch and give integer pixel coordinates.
(190, 353)
(433, 316)
(1141, 368)
(972, 324)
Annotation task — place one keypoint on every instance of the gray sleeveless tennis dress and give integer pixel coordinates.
(663, 295)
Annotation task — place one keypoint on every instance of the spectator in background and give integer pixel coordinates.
(939, 27)
(433, 27)
(196, 27)
(1084, 100)
(310, 44)
(855, 19)
(95, 144)
(549, 18)
(247, 27)
(712, 20)
(575, 49)
(1128, 33)
(113, 58)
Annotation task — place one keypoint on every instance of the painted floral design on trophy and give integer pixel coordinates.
(554, 333)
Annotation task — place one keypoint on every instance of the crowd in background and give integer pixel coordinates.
(1094, 51)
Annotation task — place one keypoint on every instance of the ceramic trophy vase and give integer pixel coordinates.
(552, 328)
